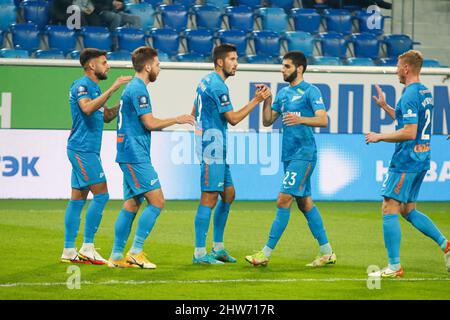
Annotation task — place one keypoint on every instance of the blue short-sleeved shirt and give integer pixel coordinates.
(133, 138)
(86, 133)
(414, 107)
(211, 102)
(304, 100)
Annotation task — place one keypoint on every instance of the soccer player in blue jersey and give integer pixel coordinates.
(409, 164)
(140, 180)
(301, 106)
(83, 149)
(213, 111)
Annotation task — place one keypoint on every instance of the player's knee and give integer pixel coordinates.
(101, 198)
(284, 201)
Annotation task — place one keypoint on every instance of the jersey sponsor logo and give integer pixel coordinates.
(82, 90)
(422, 147)
(224, 99)
(153, 181)
(410, 114)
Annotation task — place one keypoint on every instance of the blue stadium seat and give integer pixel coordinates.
(186, 3)
(8, 16)
(129, 39)
(329, 61)
(273, 19)
(370, 22)
(191, 57)
(96, 37)
(162, 56)
(431, 63)
(236, 37)
(388, 62)
(119, 55)
(300, 41)
(360, 62)
(267, 43)
(333, 44)
(338, 20)
(8, 2)
(254, 4)
(25, 36)
(155, 3)
(74, 55)
(208, 17)
(50, 54)
(200, 41)
(261, 59)
(61, 38)
(240, 18)
(36, 11)
(145, 11)
(366, 45)
(14, 53)
(287, 5)
(307, 20)
(221, 4)
(397, 44)
(174, 16)
(166, 40)
(1, 38)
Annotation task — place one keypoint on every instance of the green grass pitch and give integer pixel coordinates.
(31, 241)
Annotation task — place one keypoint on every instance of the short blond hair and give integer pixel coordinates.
(413, 58)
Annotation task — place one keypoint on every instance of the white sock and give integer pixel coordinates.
(218, 246)
(267, 251)
(199, 252)
(87, 246)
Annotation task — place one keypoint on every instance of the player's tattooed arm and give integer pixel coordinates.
(269, 115)
(381, 101)
(320, 119)
(408, 132)
(110, 114)
(155, 124)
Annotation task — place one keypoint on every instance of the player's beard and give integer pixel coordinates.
(228, 73)
(291, 77)
(152, 77)
(101, 76)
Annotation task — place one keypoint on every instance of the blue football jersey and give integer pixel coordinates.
(303, 100)
(211, 102)
(133, 138)
(86, 133)
(414, 107)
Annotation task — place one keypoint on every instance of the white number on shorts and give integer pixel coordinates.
(291, 176)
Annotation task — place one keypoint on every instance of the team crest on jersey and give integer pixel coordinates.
(224, 99)
(143, 102)
(82, 90)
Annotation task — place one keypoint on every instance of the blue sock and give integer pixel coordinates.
(392, 237)
(72, 222)
(315, 224)
(94, 216)
(122, 231)
(220, 220)
(201, 223)
(424, 224)
(278, 226)
(144, 227)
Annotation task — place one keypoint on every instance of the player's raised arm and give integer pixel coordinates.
(381, 101)
(153, 124)
(89, 106)
(269, 115)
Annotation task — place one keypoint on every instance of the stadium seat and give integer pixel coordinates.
(119, 55)
(174, 16)
(191, 57)
(259, 59)
(129, 39)
(254, 4)
(300, 41)
(267, 43)
(307, 20)
(397, 44)
(240, 18)
(360, 62)
(36, 11)
(74, 55)
(388, 62)
(338, 20)
(200, 41)
(155, 3)
(208, 17)
(8, 16)
(9, 2)
(186, 3)
(431, 63)
(236, 37)
(366, 45)
(333, 44)
(14, 53)
(50, 54)
(285, 4)
(145, 11)
(166, 40)
(162, 56)
(329, 61)
(61, 38)
(221, 4)
(1, 38)
(25, 36)
(96, 37)
(273, 19)
(370, 22)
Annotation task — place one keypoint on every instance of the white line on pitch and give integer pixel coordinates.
(144, 282)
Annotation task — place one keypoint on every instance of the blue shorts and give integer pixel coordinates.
(138, 178)
(402, 186)
(86, 169)
(215, 177)
(297, 178)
